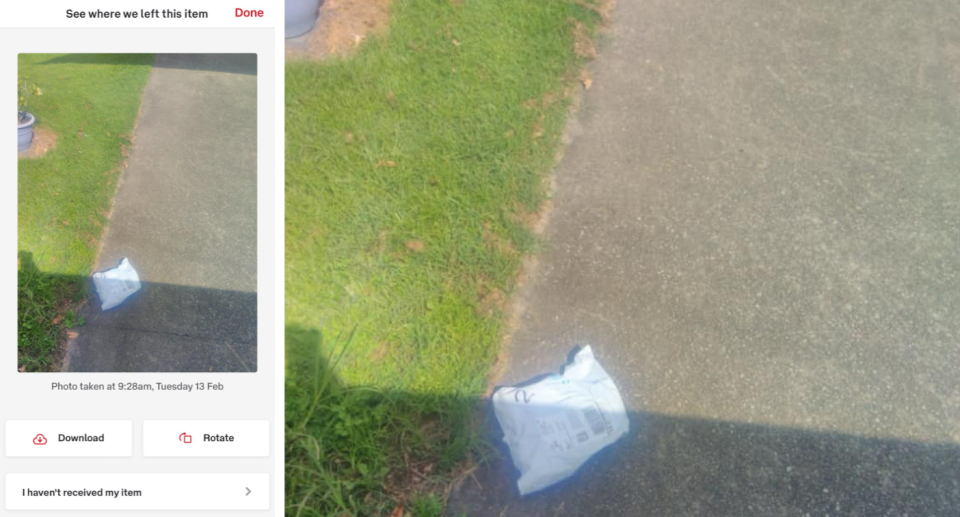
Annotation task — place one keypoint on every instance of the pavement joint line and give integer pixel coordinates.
(244, 363)
(129, 329)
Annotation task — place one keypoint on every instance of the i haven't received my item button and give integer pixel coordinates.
(206, 438)
(135, 491)
(65, 438)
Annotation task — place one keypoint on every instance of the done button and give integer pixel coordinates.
(206, 438)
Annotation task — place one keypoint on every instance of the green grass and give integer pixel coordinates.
(410, 168)
(91, 103)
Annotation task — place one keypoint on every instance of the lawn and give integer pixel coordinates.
(413, 170)
(90, 102)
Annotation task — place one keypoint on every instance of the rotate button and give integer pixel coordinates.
(206, 438)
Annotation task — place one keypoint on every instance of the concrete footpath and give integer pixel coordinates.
(757, 227)
(185, 215)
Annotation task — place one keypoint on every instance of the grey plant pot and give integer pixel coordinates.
(25, 133)
(300, 16)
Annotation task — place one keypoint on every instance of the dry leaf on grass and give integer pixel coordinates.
(22, 368)
(537, 129)
(380, 352)
(397, 511)
(586, 80)
(57, 319)
(386, 163)
(582, 42)
(416, 245)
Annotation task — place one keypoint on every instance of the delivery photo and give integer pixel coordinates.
(137, 213)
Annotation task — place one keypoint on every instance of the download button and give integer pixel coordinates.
(65, 438)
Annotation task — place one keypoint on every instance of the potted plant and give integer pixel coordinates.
(24, 119)
(300, 16)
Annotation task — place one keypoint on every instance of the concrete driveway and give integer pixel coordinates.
(185, 215)
(757, 227)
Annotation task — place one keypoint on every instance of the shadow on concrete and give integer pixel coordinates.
(228, 63)
(677, 466)
(161, 328)
(669, 465)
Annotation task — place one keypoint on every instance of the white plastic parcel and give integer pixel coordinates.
(115, 285)
(555, 425)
